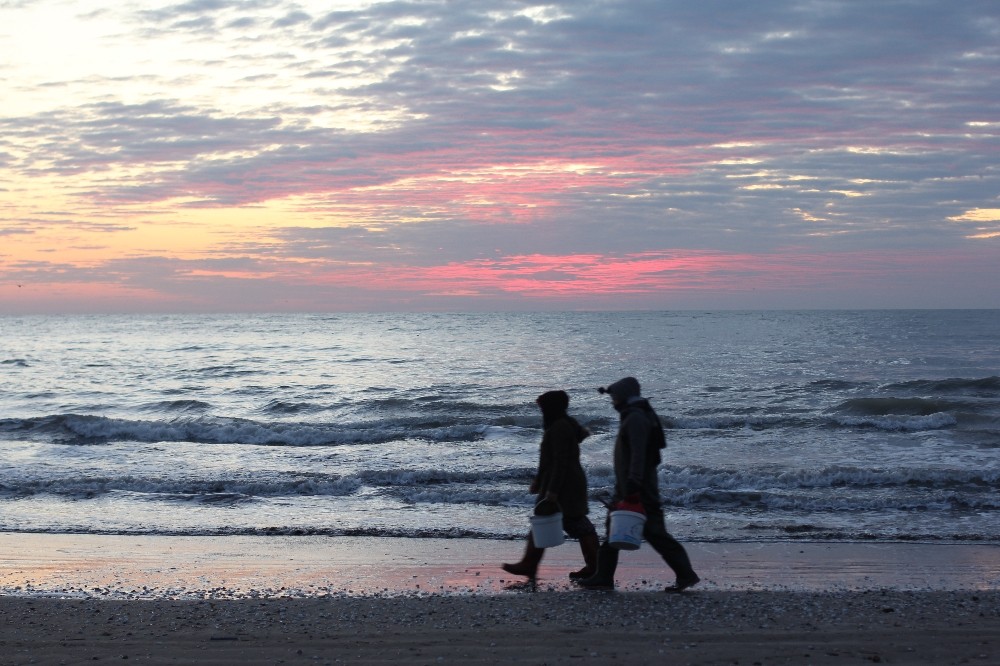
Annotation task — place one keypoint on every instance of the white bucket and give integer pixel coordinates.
(547, 531)
(626, 530)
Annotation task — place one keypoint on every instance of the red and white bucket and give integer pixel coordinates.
(626, 529)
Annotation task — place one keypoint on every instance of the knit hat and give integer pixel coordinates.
(623, 389)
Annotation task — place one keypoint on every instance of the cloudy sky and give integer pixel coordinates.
(280, 155)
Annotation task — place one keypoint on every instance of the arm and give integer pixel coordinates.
(536, 481)
(561, 442)
(636, 427)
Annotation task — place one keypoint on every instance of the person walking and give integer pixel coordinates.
(560, 479)
(636, 460)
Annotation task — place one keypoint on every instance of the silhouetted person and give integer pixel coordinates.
(636, 459)
(560, 478)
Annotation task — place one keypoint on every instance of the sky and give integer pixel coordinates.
(469, 155)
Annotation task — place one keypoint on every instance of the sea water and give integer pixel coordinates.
(842, 425)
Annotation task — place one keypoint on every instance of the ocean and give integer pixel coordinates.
(781, 426)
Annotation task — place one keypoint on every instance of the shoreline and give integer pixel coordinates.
(74, 599)
(196, 567)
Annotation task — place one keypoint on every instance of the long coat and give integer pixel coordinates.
(637, 453)
(559, 468)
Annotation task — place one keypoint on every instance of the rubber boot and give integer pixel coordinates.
(607, 562)
(588, 546)
(528, 566)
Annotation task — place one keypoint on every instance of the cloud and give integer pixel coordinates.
(477, 135)
(987, 221)
(13, 231)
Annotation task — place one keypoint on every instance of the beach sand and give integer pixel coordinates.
(325, 600)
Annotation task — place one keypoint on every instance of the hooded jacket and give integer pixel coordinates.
(559, 468)
(637, 446)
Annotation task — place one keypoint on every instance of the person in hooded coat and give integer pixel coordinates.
(636, 459)
(560, 478)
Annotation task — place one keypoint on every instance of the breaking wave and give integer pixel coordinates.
(87, 429)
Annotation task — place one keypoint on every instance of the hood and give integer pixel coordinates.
(623, 389)
(553, 405)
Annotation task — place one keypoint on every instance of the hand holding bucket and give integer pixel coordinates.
(627, 521)
(546, 525)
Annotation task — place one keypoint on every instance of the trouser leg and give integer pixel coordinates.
(583, 530)
(589, 545)
(670, 549)
(604, 578)
(607, 563)
(528, 566)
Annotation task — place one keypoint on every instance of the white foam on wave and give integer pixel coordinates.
(217, 430)
(899, 422)
(83, 487)
(836, 476)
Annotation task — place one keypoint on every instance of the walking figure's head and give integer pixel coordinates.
(622, 390)
(553, 403)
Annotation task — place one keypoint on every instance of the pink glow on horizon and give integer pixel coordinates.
(561, 276)
(664, 279)
(82, 297)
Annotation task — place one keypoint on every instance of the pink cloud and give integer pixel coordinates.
(654, 279)
(579, 275)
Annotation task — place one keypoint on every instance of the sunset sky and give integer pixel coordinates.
(273, 155)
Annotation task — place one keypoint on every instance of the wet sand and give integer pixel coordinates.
(308, 600)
